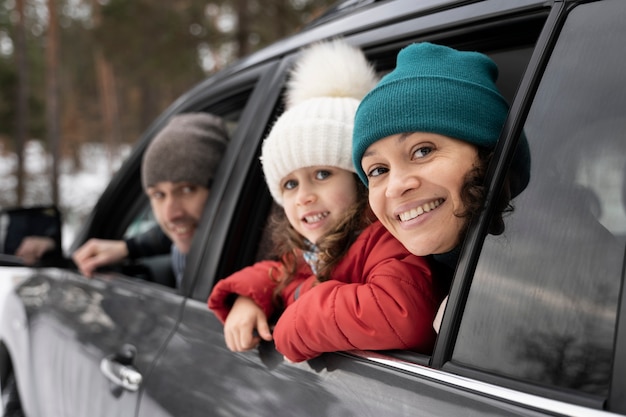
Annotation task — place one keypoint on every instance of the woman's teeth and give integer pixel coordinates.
(418, 211)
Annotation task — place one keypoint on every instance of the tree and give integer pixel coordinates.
(22, 117)
(52, 95)
(107, 92)
(122, 63)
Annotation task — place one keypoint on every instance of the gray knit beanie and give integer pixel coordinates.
(188, 149)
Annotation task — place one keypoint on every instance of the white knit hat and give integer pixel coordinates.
(324, 91)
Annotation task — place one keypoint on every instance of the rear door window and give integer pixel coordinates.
(544, 299)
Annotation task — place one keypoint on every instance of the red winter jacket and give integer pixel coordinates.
(380, 297)
(257, 283)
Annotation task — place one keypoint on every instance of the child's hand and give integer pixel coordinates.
(239, 329)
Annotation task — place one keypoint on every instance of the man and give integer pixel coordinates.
(177, 172)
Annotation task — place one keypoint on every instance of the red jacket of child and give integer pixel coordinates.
(380, 297)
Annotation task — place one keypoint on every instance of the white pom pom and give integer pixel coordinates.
(330, 69)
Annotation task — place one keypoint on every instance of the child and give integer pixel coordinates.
(344, 284)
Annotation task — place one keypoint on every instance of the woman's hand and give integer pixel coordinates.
(239, 329)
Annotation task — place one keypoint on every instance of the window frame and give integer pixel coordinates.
(473, 244)
(205, 259)
(503, 152)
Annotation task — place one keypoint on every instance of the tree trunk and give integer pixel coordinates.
(243, 27)
(52, 96)
(108, 95)
(108, 105)
(22, 115)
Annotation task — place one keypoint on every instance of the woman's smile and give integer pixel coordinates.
(415, 183)
(415, 212)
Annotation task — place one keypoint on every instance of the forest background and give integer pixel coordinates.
(81, 79)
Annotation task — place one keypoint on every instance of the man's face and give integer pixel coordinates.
(178, 207)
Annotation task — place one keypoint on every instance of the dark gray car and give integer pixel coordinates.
(533, 325)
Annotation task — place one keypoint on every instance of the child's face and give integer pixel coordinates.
(415, 183)
(316, 198)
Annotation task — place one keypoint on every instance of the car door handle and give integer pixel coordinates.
(119, 370)
(124, 376)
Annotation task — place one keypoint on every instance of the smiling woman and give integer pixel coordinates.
(422, 142)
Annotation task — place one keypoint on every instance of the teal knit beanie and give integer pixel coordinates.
(437, 89)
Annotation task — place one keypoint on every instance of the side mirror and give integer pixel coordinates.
(18, 223)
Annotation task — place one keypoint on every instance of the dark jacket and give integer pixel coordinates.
(149, 243)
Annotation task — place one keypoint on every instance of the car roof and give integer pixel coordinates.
(346, 18)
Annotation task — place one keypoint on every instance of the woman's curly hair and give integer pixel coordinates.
(473, 194)
(331, 248)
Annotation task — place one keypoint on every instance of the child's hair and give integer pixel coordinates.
(331, 247)
(326, 85)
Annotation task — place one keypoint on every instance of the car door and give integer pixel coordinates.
(91, 343)
(177, 383)
(197, 375)
(71, 330)
(543, 302)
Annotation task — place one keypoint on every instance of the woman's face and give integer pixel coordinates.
(415, 182)
(316, 198)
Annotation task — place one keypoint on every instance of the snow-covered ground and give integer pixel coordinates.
(79, 187)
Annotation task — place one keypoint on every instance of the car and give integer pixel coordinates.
(535, 323)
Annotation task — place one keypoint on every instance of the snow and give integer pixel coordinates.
(79, 188)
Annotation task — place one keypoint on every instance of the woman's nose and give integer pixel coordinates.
(402, 180)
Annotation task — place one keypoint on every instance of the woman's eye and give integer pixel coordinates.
(375, 172)
(422, 151)
(188, 189)
(290, 184)
(322, 174)
(156, 195)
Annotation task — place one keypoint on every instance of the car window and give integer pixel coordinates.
(144, 220)
(142, 223)
(544, 298)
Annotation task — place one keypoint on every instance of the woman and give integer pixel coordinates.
(423, 138)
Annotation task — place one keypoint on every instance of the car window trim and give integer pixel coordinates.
(481, 388)
(204, 259)
(617, 401)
